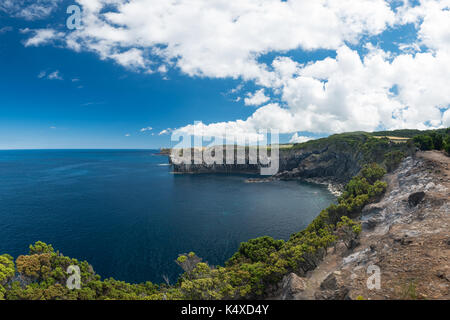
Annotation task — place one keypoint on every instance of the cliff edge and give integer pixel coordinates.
(405, 239)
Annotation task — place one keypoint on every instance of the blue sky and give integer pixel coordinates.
(106, 102)
(96, 96)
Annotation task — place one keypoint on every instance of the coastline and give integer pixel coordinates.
(333, 187)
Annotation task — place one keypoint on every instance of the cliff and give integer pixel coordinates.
(337, 158)
(405, 238)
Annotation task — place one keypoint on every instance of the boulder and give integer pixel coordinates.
(291, 286)
(332, 288)
(415, 198)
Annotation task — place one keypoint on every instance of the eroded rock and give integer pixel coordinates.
(292, 285)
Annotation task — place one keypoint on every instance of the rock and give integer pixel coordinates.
(415, 198)
(442, 275)
(292, 285)
(403, 240)
(332, 289)
(429, 186)
(372, 209)
(330, 283)
(353, 244)
(370, 224)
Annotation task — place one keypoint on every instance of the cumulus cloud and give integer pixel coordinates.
(220, 38)
(256, 99)
(29, 9)
(146, 129)
(351, 90)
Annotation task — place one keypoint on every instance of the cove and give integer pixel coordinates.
(130, 217)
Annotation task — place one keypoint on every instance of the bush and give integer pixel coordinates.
(393, 159)
(447, 144)
(424, 142)
(256, 250)
(348, 231)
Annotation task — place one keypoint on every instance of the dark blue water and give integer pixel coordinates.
(125, 213)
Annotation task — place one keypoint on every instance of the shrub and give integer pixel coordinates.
(393, 159)
(424, 142)
(348, 231)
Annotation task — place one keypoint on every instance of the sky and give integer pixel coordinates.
(129, 73)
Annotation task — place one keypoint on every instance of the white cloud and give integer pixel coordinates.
(165, 131)
(225, 39)
(146, 129)
(128, 135)
(29, 9)
(55, 75)
(351, 93)
(5, 29)
(42, 74)
(256, 99)
(299, 139)
(220, 38)
(42, 36)
(446, 118)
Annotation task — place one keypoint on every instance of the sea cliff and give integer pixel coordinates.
(336, 159)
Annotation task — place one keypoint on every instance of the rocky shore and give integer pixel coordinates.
(405, 241)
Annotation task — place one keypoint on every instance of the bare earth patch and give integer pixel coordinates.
(406, 235)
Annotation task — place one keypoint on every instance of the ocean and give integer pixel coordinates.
(126, 214)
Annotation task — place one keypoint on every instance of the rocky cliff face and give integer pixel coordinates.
(405, 239)
(337, 158)
(332, 162)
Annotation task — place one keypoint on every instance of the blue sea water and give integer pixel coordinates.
(130, 217)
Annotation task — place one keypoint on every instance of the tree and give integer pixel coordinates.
(41, 247)
(348, 231)
(188, 262)
(257, 250)
(36, 266)
(7, 270)
(447, 144)
(424, 142)
(373, 172)
(438, 141)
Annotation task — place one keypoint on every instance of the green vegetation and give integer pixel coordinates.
(434, 140)
(251, 272)
(259, 264)
(365, 146)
